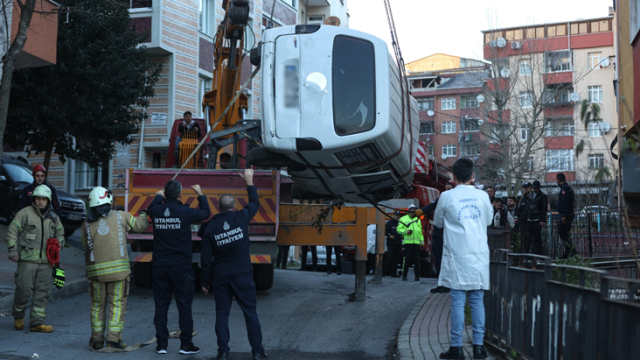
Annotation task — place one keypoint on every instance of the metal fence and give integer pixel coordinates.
(594, 235)
(561, 312)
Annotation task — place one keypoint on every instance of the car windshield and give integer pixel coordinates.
(19, 173)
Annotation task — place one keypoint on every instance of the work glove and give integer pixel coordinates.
(58, 277)
(419, 212)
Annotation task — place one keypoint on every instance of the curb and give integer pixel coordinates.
(70, 288)
(404, 350)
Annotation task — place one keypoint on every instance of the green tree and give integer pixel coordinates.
(93, 93)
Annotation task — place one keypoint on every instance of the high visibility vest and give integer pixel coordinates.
(407, 223)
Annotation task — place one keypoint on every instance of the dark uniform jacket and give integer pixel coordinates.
(25, 197)
(538, 206)
(225, 242)
(390, 229)
(522, 209)
(431, 208)
(566, 200)
(172, 229)
(194, 128)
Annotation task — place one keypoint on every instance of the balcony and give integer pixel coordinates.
(499, 84)
(558, 142)
(558, 112)
(561, 77)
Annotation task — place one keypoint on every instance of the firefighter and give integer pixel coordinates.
(410, 227)
(226, 241)
(27, 242)
(39, 178)
(172, 258)
(104, 237)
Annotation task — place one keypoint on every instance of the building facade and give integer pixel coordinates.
(543, 73)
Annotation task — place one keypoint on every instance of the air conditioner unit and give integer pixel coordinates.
(516, 45)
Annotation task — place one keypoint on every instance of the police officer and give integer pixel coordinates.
(27, 243)
(537, 216)
(104, 237)
(410, 227)
(172, 257)
(566, 200)
(226, 267)
(522, 217)
(394, 244)
(39, 178)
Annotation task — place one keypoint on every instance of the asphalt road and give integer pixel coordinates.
(304, 316)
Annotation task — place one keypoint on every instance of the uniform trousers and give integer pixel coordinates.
(243, 289)
(177, 281)
(37, 278)
(113, 295)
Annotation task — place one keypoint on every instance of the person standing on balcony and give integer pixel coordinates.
(465, 213)
(566, 200)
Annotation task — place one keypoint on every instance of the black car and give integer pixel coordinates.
(15, 175)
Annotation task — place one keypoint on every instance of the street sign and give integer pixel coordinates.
(159, 119)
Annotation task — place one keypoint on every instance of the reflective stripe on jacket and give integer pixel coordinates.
(407, 223)
(28, 233)
(105, 244)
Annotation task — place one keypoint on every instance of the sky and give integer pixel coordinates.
(453, 27)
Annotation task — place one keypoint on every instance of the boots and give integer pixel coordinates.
(116, 345)
(42, 328)
(454, 352)
(18, 324)
(479, 352)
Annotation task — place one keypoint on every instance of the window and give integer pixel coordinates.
(595, 94)
(525, 67)
(470, 125)
(595, 128)
(468, 102)
(596, 161)
(87, 177)
(291, 3)
(316, 19)
(471, 150)
(560, 160)
(207, 10)
(353, 77)
(528, 166)
(426, 127)
(568, 129)
(449, 127)
(449, 104)
(557, 95)
(558, 61)
(136, 4)
(204, 86)
(524, 133)
(425, 104)
(449, 150)
(526, 99)
(594, 59)
(550, 129)
(497, 132)
(431, 150)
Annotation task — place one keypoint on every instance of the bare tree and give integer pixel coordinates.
(26, 8)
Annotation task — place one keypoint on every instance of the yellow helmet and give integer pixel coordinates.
(42, 191)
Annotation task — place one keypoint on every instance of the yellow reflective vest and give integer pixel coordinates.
(28, 233)
(105, 245)
(414, 224)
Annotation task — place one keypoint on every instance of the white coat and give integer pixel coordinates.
(464, 213)
(371, 239)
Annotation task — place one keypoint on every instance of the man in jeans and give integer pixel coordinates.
(464, 213)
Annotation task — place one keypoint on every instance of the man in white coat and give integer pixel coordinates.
(464, 213)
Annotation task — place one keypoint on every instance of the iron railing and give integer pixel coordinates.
(560, 311)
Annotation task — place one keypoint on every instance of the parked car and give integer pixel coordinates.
(15, 175)
(599, 212)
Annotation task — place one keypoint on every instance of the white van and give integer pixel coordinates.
(332, 113)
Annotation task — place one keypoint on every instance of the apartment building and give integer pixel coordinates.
(181, 37)
(545, 72)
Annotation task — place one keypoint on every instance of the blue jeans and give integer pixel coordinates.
(458, 299)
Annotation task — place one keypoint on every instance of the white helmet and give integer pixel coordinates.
(100, 196)
(42, 191)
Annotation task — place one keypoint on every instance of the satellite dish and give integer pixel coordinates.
(604, 62)
(574, 97)
(430, 113)
(444, 157)
(480, 121)
(480, 98)
(505, 73)
(493, 43)
(606, 127)
(502, 42)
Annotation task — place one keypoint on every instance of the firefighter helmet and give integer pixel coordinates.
(100, 196)
(42, 191)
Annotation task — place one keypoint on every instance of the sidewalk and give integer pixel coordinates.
(71, 260)
(425, 333)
